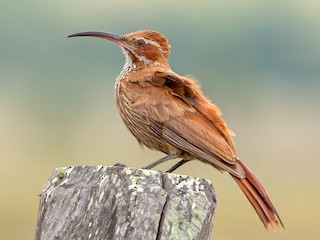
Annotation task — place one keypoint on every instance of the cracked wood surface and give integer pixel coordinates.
(118, 202)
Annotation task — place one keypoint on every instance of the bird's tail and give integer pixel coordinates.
(258, 197)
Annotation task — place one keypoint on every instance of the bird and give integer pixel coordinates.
(169, 113)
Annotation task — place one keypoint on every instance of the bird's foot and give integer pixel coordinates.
(120, 165)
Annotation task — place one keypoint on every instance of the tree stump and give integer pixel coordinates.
(118, 202)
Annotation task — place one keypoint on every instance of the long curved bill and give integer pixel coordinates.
(120, 40)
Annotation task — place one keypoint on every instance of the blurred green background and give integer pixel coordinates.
(258, 60)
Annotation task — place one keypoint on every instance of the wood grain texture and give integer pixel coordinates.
(124, 203)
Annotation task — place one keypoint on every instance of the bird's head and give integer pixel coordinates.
(140, 48)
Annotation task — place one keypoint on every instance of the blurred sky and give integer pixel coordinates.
(258, 60)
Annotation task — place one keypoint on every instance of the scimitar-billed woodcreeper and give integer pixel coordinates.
(169, 113)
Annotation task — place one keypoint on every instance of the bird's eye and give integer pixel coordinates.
(141, 42)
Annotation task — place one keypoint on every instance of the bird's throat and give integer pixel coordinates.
(128, 64)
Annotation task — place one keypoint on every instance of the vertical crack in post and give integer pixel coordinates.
(165, 207)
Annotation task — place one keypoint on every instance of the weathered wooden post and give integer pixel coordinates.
(124, 203)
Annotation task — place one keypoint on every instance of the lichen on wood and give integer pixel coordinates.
(124, 203)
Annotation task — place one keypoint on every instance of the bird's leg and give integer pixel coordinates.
(177, 165)
(120, 165)
(161, 160)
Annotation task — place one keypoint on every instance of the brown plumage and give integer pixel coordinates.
(169, 113)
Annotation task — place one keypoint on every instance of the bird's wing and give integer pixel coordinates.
(188, 90)
(174, 110)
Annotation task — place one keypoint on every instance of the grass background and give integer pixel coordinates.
(258, 60)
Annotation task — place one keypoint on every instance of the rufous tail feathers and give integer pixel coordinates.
(258, 197)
